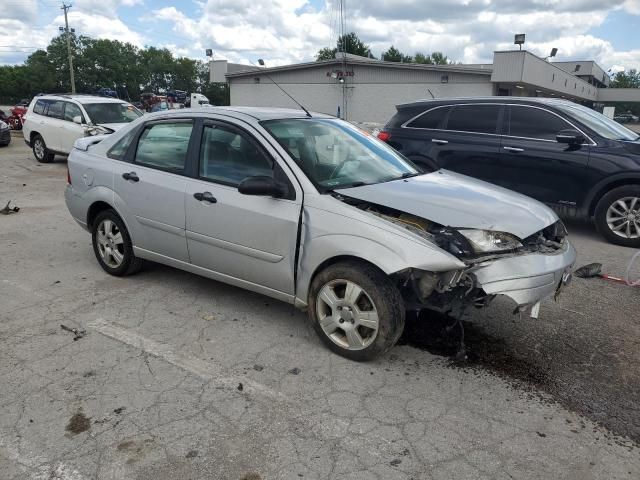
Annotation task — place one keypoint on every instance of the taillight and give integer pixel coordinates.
(68, 175)
(384, 136)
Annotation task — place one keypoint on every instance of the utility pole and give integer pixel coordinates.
(66, 7)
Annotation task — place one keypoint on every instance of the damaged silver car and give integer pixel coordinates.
(308, 209)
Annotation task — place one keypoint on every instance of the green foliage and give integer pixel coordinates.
(630, 79)
(105, 63)
(436, 58)
(349, 43)
(395, 55)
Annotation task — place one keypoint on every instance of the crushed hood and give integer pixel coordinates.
(459, 201)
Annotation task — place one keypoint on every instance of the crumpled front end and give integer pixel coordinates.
(540, 269)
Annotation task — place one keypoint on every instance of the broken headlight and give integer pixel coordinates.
(486, 241)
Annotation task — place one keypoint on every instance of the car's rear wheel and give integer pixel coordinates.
(617, 216)
(40, 150)
(112, 245)
(356, 310)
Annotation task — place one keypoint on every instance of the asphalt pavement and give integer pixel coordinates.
(173, 376)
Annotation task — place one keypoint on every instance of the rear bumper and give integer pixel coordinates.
(527, 279)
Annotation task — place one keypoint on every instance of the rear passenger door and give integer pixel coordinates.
(51, 127)
(469, 142)
(150, 185)
(534, 163)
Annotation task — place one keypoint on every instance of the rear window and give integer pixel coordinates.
(431, 119)
(474, 118)
(39, 107)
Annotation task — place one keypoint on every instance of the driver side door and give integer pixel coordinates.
(251, 239)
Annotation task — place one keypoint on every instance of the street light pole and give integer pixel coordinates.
(66, 7)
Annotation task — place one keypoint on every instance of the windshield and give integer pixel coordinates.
(111, 112)
(335, 154)
(603, 126)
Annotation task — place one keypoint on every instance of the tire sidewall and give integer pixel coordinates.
(383, 294)
(45, 156)
(129, 257)
(601, 215)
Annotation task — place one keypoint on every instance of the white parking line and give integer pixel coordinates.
(205, 370)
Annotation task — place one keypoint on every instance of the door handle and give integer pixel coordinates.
(439, 142)
(205, 197)
(513, 149)
(131, 176)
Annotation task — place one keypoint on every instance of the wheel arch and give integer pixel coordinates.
(605, 186)
(95, 209)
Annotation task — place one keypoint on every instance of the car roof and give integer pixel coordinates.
(496, 99)
(258, 113)
(81, 98)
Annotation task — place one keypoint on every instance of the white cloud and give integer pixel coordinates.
(286, 31)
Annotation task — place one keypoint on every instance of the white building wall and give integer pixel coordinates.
(369, 102)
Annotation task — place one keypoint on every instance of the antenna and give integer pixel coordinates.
(261, 62)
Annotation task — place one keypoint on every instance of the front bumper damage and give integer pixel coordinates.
(527, 278)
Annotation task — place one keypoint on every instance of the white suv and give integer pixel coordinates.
(54, 122)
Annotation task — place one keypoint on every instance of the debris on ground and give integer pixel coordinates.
(9, 209)
(240, 387)
(119, 410)
(258, 368)
(593, 270)
(78, 333)
(191, 454)
(295, 371)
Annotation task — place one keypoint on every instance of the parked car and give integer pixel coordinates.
(626, 118)
(54, 122)
(311, 211)
(570, 157)
(5, 134)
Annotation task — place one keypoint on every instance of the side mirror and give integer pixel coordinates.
(570, 137)
(263, 186)
(77, 119)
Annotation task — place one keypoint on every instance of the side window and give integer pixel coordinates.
(474, 118)
(40, 107)
(72, 110)
(164, 146)
(534, 123)
(228, 156)
(432, 119)
(56, 109)
(119, 149)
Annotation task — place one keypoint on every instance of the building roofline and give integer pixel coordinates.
(366, 62)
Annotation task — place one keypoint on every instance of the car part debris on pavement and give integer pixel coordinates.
(592, 270)
(78, 333)
(9, 209)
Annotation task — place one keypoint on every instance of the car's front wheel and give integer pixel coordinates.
(617, 216)
(40, 150)
(112, 245)
(356, 310)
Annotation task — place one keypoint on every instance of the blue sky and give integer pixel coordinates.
(285, 31)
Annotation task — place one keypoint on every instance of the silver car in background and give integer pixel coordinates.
(310, 210)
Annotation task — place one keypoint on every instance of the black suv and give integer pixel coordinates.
(568, 156)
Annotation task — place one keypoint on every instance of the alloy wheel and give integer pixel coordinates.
(110, 243)
(38, 148)
(347, 315)
(623, 217)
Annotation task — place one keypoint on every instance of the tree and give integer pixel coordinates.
(436, 58)
(395, 55)
(349, 43)
(630, 79)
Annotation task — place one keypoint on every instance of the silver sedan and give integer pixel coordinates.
(312, 211)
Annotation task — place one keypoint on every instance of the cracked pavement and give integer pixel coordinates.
(183, 377)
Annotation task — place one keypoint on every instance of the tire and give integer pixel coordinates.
(112, 245)
(344, 330)
(40, 150)
(617, 216)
